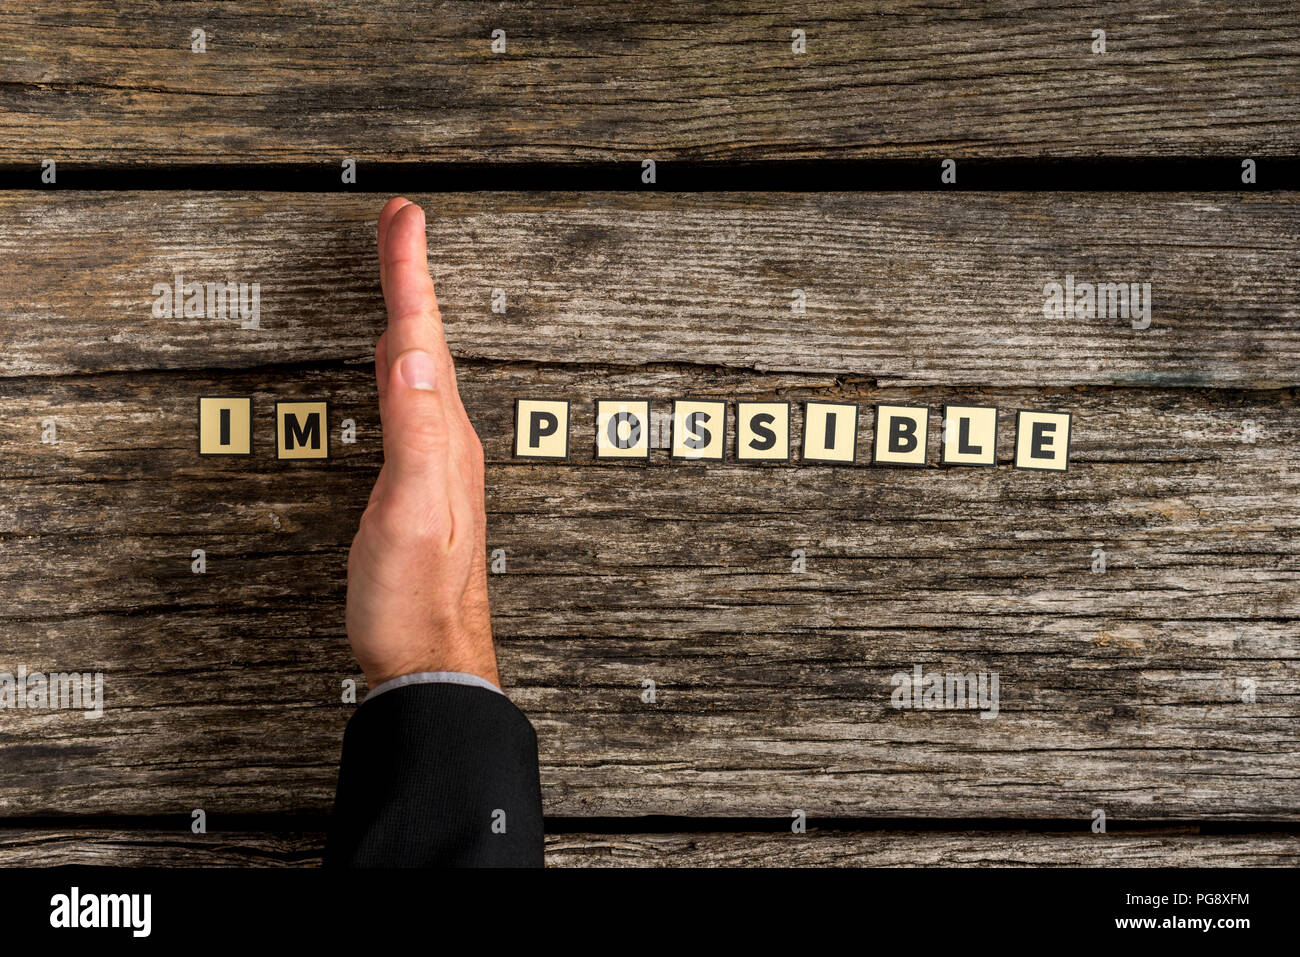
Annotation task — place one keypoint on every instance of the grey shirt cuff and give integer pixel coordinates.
(433, 677)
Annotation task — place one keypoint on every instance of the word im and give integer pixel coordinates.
(934, 691)
(73, 910)
(1103, 300)
(212, 300)
(301, 428)
(762, 433)
(66, 690)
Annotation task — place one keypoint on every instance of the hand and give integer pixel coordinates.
(417, 571)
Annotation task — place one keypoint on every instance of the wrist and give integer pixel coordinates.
(381, 675)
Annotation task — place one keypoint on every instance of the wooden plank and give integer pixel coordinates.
(1121, 691)
(1168, 847)
(295, 80)
(905, 289)
(108, 847)
(1156, 847)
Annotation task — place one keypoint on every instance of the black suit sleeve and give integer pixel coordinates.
(437, 775)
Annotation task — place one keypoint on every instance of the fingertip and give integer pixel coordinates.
(408, 216)
(391, 209)
(405, 243)
(392, 206)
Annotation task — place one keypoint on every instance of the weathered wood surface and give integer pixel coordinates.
(1162, 847)
(1172, 847)
(93, 82)
(901, 288)
(106, 847)
(1121, 691)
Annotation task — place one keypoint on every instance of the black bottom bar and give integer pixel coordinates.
(954, 911)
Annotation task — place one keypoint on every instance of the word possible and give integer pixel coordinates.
(208, 300)
(1103, 300)
(38, 691)
(226, 427)
(934, 691)
(74, 909)
(762, 433)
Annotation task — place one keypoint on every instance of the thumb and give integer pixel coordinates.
(417, 443)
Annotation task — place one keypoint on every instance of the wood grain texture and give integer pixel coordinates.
(1121, 691)
(87, 81)
(1171, 847)
(1158, 847)
(106, 847)
(904, 289)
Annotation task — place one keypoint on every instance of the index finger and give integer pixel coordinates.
(385, 220)
(413, 318)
